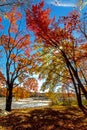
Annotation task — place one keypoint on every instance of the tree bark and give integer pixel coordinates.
(9, 98)
(80, 85)
(77, 90)
(79, 98)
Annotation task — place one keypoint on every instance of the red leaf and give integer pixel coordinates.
(0, 19)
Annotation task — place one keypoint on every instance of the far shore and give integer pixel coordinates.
(25, 103)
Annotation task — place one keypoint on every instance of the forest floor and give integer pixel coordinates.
(49, 118)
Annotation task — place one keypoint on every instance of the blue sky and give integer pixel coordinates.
(58, 8)
(63, 7)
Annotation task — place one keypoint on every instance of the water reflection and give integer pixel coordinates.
(25, 103)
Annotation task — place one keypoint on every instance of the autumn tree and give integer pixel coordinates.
(31, 84)
(61, 36)
(20, 93)
(2, 84)
(15, 45)
(2, 79)
(81, 4)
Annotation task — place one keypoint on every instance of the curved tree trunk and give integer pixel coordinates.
(77, 90)
(79, 98)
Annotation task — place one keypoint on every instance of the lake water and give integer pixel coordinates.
(25, 103)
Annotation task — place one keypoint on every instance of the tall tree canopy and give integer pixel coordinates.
(67, 38)
(58, 54)
(15, 47)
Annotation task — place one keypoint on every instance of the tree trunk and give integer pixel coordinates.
(9, 98)
(79, 99)
(77, 89)
(80, 85)
(75, 73)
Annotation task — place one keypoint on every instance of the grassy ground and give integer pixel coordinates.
(53, 118)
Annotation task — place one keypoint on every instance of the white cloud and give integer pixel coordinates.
(62, 4)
